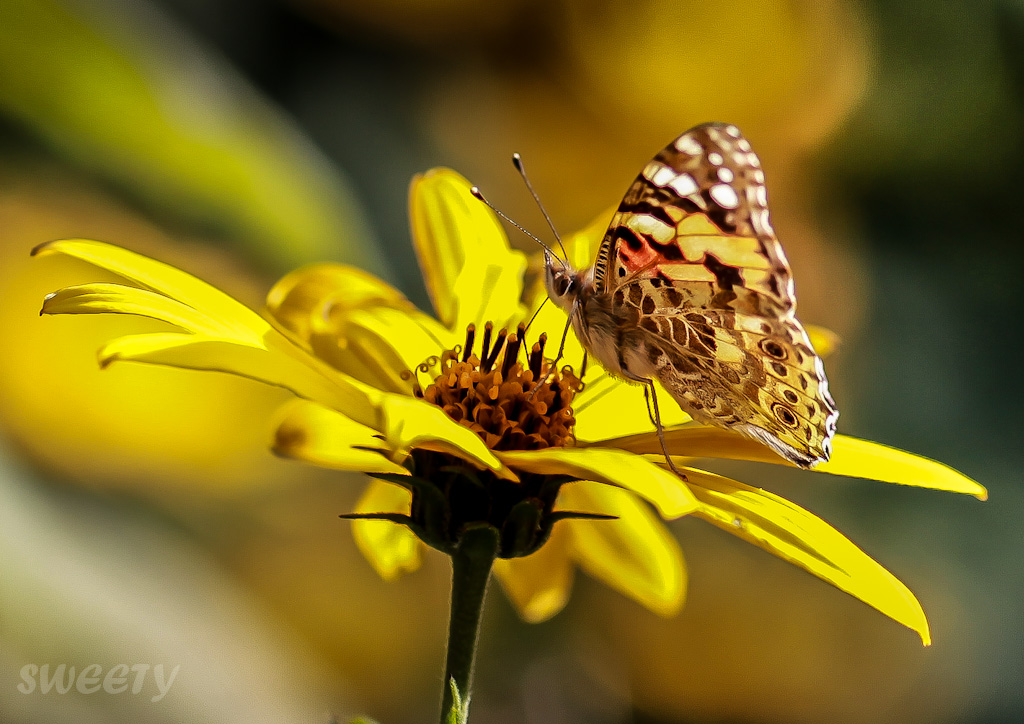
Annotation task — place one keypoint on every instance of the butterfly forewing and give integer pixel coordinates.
(693, 288)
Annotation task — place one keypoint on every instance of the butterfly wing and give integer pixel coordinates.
(691, 256)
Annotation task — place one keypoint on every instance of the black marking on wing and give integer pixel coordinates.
(669, 250)
(632, 239)
(726, 276)
(658, 211)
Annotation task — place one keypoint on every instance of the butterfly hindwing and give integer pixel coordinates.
(691, 256)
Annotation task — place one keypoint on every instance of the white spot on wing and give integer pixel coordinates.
(733, 131)
(725, 195)
(684, 185)
(715, 158)
(759, 176)
(762, 195)
(662, 176)
(760, 220)
(650, 170)
(725, 175)
(688, 144)
(753, 160)
(743, 144)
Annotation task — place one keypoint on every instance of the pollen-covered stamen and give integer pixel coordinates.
(468, 349)
(501, 400)
(537, 356)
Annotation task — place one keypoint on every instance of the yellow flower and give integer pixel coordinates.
(460, 420)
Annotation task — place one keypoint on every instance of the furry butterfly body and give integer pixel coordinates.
(691, 288)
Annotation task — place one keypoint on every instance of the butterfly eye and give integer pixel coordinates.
(784, 414)
(773, 349)
(560, 284)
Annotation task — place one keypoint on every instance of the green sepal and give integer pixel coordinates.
(429, 509)
(399, 518)
(521, 529)
(577, 515)
(461, 471)
(459, 711)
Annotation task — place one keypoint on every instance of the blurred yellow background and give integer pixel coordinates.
(143, 519)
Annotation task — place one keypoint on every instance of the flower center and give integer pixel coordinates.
(511, 404)
(513, 401)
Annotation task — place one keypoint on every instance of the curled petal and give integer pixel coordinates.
(318, 435)
(391, 549)
(665, 491)
(382, 346)
(635, 553)
(314, 292)
(203, 352)
(539, 584)
(164, 279)
(471, 273)
(103, 298)
(786, 530)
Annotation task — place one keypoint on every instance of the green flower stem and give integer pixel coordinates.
(471, 569)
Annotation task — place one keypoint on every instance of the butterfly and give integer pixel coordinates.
(691, 288)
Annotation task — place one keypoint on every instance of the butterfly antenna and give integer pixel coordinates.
(475, 190)
(517, 161)
(534, 315)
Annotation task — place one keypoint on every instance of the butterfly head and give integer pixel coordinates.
(562, 281)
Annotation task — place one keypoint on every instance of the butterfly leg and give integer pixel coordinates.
(651, 394)
(647, 401)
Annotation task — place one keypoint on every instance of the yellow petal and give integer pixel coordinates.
(315, 291)
(405, 422)
(358, 324)
(539, 584)
(668, 493)
(609, 407)
(202, 352)
(392, 549)
(387, 344)
(865, 459)
(800, 537)
(471, 273)
(103, 298)
(162, 278)
(257, 350)
(850, 456)
(634, 554)
(318, 435)
(409, 422)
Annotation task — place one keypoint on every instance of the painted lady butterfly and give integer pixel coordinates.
(691, 288)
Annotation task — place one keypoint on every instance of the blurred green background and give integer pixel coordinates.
(142, 519)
